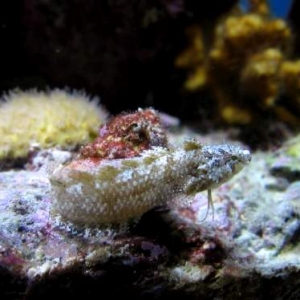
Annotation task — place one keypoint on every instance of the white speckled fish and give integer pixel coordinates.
(113, 191)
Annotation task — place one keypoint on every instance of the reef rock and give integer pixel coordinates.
(249, 248)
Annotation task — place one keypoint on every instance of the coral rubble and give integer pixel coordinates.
(246, 64)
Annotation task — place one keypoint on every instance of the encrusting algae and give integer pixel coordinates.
(98, 189)
(127, 135)
(246, 65)
(56, 118)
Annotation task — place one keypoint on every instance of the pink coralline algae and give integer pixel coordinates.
(129, 170)
(127, 135)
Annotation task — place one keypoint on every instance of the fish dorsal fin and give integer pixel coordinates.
(191, 144)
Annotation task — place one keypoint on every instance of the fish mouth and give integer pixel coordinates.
(243, 160)
(246, 157)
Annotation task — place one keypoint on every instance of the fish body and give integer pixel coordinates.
(116, 190)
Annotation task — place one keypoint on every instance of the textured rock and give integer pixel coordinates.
(250, 247)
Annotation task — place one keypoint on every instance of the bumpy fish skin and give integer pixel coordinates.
(114, 191)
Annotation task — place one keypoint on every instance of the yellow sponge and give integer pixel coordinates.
(59, 118)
